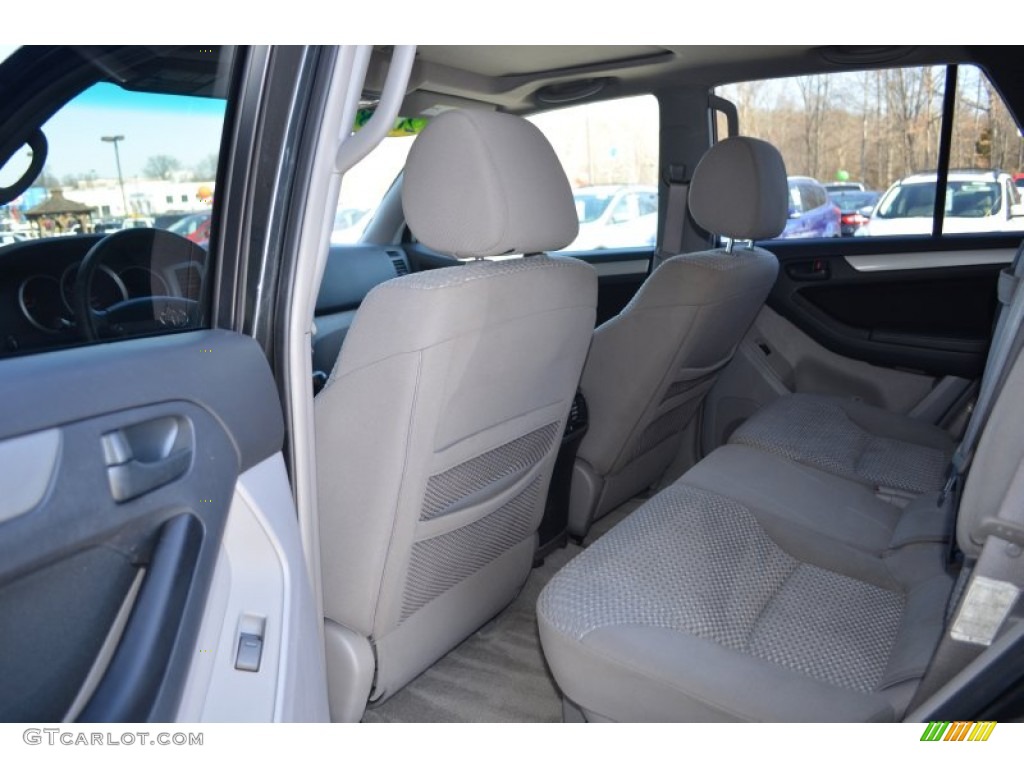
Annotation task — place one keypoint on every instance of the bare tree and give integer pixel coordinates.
(206, 169)
(814, 90)
(161, 167)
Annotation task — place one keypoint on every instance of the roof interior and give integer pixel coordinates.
(508, 77)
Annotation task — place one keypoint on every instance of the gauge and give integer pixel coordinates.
(39, 298)
(107, 288)
(141, 282)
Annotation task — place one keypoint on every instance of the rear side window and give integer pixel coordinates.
(873, 139)
(113, 238)
(609, 151)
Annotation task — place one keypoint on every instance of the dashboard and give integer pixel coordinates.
(38, 282)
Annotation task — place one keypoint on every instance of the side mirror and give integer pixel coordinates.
(1016, 210)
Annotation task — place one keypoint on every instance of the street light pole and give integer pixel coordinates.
(117, 158)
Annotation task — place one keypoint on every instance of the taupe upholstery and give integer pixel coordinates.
(439, 426)
(762, 586)
(487, 185)
(650, 367)
(880, 449)
(699, 607)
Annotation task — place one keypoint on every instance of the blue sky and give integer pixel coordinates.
(184, 127)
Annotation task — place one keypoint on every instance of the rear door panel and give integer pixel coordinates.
(900, 323)
(920, 304)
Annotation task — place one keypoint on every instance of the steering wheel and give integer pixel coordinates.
(153, 249)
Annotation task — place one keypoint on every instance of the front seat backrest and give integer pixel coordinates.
(438, 429)
(650, 367)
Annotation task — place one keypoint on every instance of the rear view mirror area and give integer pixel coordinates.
(22, 166)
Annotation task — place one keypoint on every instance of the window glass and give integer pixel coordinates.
(609, 151)
(985, 151)
(872, 140)
(111, 240)
(365, 185)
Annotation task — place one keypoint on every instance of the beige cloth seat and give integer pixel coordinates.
(892, 453)
(650, 367)
(439, 426)
(761, 588)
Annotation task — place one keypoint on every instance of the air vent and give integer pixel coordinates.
(399, 262)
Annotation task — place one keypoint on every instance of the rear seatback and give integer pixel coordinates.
(894, 453)
(761, 586)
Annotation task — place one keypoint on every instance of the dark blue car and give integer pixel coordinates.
(811, 212)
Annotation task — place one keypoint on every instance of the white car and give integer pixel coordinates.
(349, 224)
(7, 238)
(615, 217)
(976, 201)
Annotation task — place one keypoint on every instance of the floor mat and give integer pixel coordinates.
(497, 675)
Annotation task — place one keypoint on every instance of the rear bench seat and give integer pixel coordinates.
(853, 440)
(778, 579)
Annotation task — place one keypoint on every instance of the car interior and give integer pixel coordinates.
(732, 477)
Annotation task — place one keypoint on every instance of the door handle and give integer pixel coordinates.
(134, 478)
(815, 269)
(145, 456)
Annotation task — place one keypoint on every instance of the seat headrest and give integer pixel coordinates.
(739, 190)
(481, 183)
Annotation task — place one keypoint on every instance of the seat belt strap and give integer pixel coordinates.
(675, 215)
(1006, 342)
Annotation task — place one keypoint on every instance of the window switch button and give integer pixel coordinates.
(250, 648)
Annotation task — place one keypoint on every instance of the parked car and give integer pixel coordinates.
(855, 209)
(976, 201)
(195, 227)
(107, 226)
(811, 212)
(615, 217)
(6, 238)
(165, 220)
(349, 224)
(844, 186)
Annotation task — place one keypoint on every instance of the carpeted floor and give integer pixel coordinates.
(497, 675)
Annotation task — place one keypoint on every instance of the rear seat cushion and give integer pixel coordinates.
(699, 607)
(799, 495)
(852, 440)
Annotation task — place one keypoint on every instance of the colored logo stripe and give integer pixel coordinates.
(958, 730)
(982, 731)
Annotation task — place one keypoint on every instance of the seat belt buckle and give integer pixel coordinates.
(1006, 530)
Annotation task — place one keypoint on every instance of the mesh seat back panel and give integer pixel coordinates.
(439, 563)
(446, 489)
